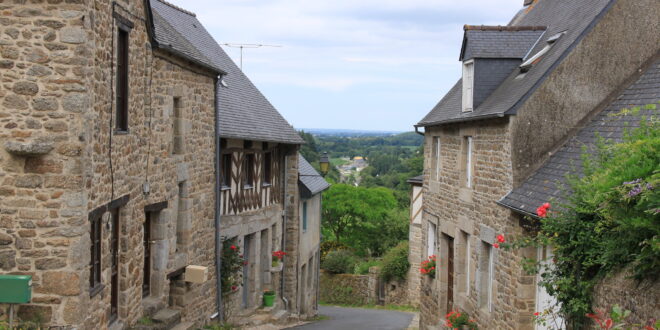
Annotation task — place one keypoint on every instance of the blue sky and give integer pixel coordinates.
(365, 64)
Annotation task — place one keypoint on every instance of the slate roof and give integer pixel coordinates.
(548, 183)
(574, 17)
(416, 180)
(310, 181)
(244, 112)
(499, 41)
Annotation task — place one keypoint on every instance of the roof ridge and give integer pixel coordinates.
(467, 27)
(178, 8)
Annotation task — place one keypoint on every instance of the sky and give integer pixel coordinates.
(342, 64)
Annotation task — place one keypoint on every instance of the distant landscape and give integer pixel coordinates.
(347, 132)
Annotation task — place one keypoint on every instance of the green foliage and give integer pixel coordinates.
(308, 150)
(365, 219)
(611, 221)
(362, 268)
(145, 321)
(219, 326)
(395, 263)
(232, 265)
(339, 262)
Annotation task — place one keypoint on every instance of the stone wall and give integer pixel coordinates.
(348, 289)
(641, 298)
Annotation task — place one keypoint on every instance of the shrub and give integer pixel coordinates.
(329, 246)
(362, 268)
(395, 263)
(232, 266)
(339, 262)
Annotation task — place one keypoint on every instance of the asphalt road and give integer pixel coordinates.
(340, 318)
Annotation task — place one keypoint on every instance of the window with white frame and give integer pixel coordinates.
(486, 277)
(466, 262)
(468, 85)
(467, 161)
(430, 240)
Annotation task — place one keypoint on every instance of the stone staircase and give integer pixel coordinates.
(265, 316)
(165, 319)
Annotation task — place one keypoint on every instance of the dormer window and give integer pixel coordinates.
(530, 62)
(468, 85)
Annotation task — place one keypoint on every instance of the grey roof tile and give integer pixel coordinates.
(244, 112)
(549, 182)
(503, 43)
(557, 16)
(311, 181)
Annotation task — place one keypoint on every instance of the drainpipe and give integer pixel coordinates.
(284, 218)
(218, 201)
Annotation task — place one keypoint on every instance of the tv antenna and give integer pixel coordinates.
(241, 46)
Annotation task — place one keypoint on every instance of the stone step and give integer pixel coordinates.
(280, 316)
(184, 326)
(167, 317)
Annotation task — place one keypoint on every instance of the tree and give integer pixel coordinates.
(365, 219)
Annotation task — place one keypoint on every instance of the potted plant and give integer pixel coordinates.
(277, 263)
(427, 267)
(458, 320)
(269, 298)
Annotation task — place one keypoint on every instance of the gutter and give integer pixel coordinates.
(417, 130)
(464, 119)
(218, 202)
(284, 218)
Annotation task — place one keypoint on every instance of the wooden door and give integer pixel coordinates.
(450, 272)
(146, 242)
(114, 275)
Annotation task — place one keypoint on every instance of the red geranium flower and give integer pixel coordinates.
(500, 238)
(495, 245)
(542, 210)
(233, 247)
(537, 314)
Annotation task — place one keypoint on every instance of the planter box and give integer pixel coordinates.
(278, 268)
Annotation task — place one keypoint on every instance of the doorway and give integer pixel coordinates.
(450, 271)
(146, 244)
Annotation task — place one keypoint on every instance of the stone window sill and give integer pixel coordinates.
(121, 132)
(224, 188)
(93, 291)
(266, 184)
(248, 187)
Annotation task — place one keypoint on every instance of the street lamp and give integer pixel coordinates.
(324, 163)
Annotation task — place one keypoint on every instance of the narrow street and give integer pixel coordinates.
(341, 318)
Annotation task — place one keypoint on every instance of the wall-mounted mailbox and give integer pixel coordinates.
(196, 274)
(15, 289)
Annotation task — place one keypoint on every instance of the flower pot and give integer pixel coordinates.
(277, 268)
(269, 299)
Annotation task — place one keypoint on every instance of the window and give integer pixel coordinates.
(530, 62)
(430, 240)
(467, 161)
(486, 277)
(177, 127)
(225, 164)
(465, 256)
(181, 217)
(304, 217)
(268, 167)
(122, 81)
(468, 85)
(248, 171)
(436, 156)
(95, 262)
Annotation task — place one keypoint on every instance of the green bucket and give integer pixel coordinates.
(269, 298)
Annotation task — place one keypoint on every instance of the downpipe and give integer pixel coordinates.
(218, 201)
(284, 221)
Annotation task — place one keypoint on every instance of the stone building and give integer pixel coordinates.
(311, 184)
(112, 157)
(525, 88)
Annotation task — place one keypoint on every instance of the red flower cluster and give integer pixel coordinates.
(458, 320)
(500, 239)
(279, 255)
(428, 266)
(542, 210)
(233, 247)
